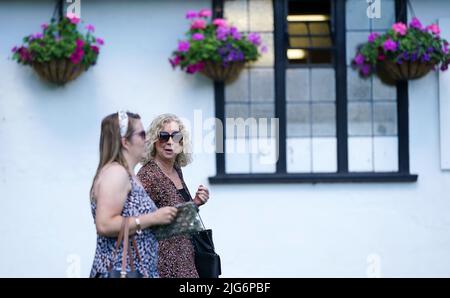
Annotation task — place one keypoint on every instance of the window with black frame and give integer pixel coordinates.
(333, 125)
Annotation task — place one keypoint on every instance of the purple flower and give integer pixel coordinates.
(15, 49)
(36, 36)
(373, 36)
(198, 36)
(430, 50)
(445, 48)
(221, 33)
(444, 66)
(235, 33)
(359, 59)
(44, 26)
(415, 23)
(413, 57)
(425, 57)
(264, 49)
(183, 46)
(99, 41)
(405, 56)
(365, 69)
(90, 28)
(390, 45)
(191, 15)
(254, 38)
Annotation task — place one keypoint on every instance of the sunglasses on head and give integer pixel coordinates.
(176, 136)
(141, 134)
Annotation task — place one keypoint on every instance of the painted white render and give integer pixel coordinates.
(49, 153)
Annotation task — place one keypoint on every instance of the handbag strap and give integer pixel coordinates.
(126, 241)
(119, 241)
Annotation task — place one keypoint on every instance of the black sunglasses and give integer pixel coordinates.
(141, 134)
(176, 136)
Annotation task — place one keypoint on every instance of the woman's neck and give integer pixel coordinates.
(166, 165)
(131, 162)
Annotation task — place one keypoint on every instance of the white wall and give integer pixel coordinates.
(49, 138)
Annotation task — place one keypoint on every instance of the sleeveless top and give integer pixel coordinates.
(137, 203)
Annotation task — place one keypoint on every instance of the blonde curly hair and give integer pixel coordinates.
(185, 157)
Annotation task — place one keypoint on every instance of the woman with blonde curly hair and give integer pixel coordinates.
(167, 150)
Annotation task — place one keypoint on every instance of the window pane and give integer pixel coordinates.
(262, 84)
(320, 57)
(236, 111)
(321, 42)
(319, 28)
(360, 154)
(297, 84)
(299, 155)
(261, 15)
(385, 154)
(297, 28)
(235, 11)
(298, 120)
(323, 84)
(324, 155)
(238, 90)
(359, 119)
(299, 42)
(324, 120)
(385, 118)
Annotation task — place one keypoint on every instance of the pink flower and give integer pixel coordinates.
(220, 22)
(95, 49)
(381, 57)
(204, 13)
(415, 23)
(44, 26)
(191, 15)
(73, 18)
(434, 28)
(183, 46)
(390, 45)
(400, 28)
(264, 49)
(79, 43)
(175, 61)
(77, 56)
(198, 24)
(90, 28)
(99, 41)
(373, 36)
(193, 68)
(359, 59)
(198, 36)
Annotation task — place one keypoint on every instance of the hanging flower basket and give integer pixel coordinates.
(58, 71)
(215, 49)
(216, 71)
(60, 53)
(403, 53)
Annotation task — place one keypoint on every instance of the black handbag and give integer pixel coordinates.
(207, 261)
(123, 273)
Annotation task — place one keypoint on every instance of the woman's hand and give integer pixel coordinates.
(201, 196)
(164, 215)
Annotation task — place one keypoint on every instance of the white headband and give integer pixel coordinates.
(123, 123)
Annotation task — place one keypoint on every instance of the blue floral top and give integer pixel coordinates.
(137, 203)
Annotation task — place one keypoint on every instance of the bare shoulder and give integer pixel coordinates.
(114, 174)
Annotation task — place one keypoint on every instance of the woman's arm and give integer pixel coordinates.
(112, 193)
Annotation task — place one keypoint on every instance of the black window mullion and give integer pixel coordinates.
(219, 102)
(402, 103)
(280, 41)
(341, 86)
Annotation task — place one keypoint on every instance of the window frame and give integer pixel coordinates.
(280, 65)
